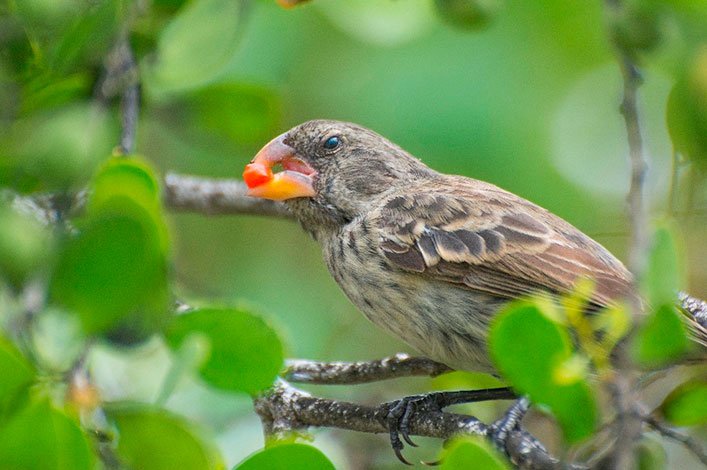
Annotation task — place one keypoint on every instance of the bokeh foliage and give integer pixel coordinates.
(523, 94)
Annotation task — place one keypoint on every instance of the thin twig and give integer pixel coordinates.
(129, 104)
(627, 428)
(210, 196)
(639, 165)
(348, 373)
(692, 445)
(121, 78)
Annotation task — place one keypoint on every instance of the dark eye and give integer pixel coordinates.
(332, 142)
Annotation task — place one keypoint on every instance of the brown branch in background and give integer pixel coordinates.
(629, 110)
(121, 78)
(129, 101)
(627, 426)
(639, 165)
(186, 193)
(333, 373)
(690, 444)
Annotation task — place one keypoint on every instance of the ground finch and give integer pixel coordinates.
(426, 256)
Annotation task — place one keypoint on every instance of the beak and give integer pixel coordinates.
(296, 179)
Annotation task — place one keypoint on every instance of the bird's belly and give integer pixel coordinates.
(445, 322)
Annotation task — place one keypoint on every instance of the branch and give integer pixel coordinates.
(639, 166)
(690, 444)
(627, 428)
(209, 197)
(284, 409)
(348, 373)
(121, 78)
(629, 110)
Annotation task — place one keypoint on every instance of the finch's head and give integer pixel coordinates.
(335, 168)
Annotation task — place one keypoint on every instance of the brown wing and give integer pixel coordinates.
(475, 234)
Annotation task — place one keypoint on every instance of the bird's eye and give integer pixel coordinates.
(332, 142)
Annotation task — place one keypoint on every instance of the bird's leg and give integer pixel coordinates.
(498, 431)
(400, 411)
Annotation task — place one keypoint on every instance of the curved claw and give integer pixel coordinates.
(398, 447)
(398, 424)
(405, 422)
(406, 438)
(393, 418)
(433, 463)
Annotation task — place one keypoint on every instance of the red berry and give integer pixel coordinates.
(256, 174)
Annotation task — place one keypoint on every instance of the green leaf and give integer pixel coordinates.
(572, 370)
(472, 452)
(110, 269)
(121, 178)
(687, 404)
(125, 177)
(613, 322)
(524, 326)
(664, 274)
(153, 439)
(687, 109)
(46, 91)
(37, 12)
(56, 149)
(287, 457)
(113, 273)
(17, 375)
(40, 437)
(636, 27)
(468, 14)
(88, 38)
(195, 47)
(169, 4)
(661, 339)
(245, 353)
(25, 244)
(460, 379)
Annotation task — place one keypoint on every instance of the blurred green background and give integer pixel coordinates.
(528, 100)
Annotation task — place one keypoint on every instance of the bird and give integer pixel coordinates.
(426, 256)
(429, 257)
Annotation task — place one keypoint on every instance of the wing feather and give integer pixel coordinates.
(492, 241)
